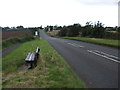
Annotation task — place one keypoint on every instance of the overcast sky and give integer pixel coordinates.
(33, 13)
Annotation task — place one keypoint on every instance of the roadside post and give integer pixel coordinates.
(36, 33)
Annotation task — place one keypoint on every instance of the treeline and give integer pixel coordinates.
(89, 30)
(19, 28)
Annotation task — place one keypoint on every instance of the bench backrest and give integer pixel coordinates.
(37, 50)
(30, 57)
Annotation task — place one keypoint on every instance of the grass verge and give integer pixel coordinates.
(51, 72)
(107, 42)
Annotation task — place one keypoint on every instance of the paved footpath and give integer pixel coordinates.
(8, 50)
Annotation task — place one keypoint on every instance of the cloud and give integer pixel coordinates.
(61, 12)
(97, 2)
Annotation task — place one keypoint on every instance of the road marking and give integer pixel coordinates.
(107, 54)
(72, 44)
(103, 56)
(78, 45)
(75, 45)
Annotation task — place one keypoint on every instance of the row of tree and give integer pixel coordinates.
(89, 30)
(72, 30)
(12, 28)
(20, 28)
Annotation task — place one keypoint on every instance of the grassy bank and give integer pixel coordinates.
(14, 40)
(107, 42)
(51, 72)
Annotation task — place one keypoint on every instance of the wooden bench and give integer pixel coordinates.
(31, 59)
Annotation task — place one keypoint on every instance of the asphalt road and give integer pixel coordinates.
(96, 65)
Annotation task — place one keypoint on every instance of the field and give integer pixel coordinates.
(13, 37)
(11, 34)
(14, 40)
(53, 33)
(51, 72)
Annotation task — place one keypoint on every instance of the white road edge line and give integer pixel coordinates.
(103, 56)
(107, 54)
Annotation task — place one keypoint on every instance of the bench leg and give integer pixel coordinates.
(30, 66)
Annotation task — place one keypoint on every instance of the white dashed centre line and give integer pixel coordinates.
(96, 52)
(75, 45)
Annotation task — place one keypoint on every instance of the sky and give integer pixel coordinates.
(34, 13)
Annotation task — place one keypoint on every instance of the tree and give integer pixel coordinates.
(20, 27)
(73, 30)
(63, 31)
(99, 30)
(87, 30)
(6, 28)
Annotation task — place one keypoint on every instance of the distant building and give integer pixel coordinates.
(109, 28)
(49, 29)
(54, 27)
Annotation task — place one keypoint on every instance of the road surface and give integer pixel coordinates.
(96, 65)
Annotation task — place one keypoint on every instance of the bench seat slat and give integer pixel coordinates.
(28, 56)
